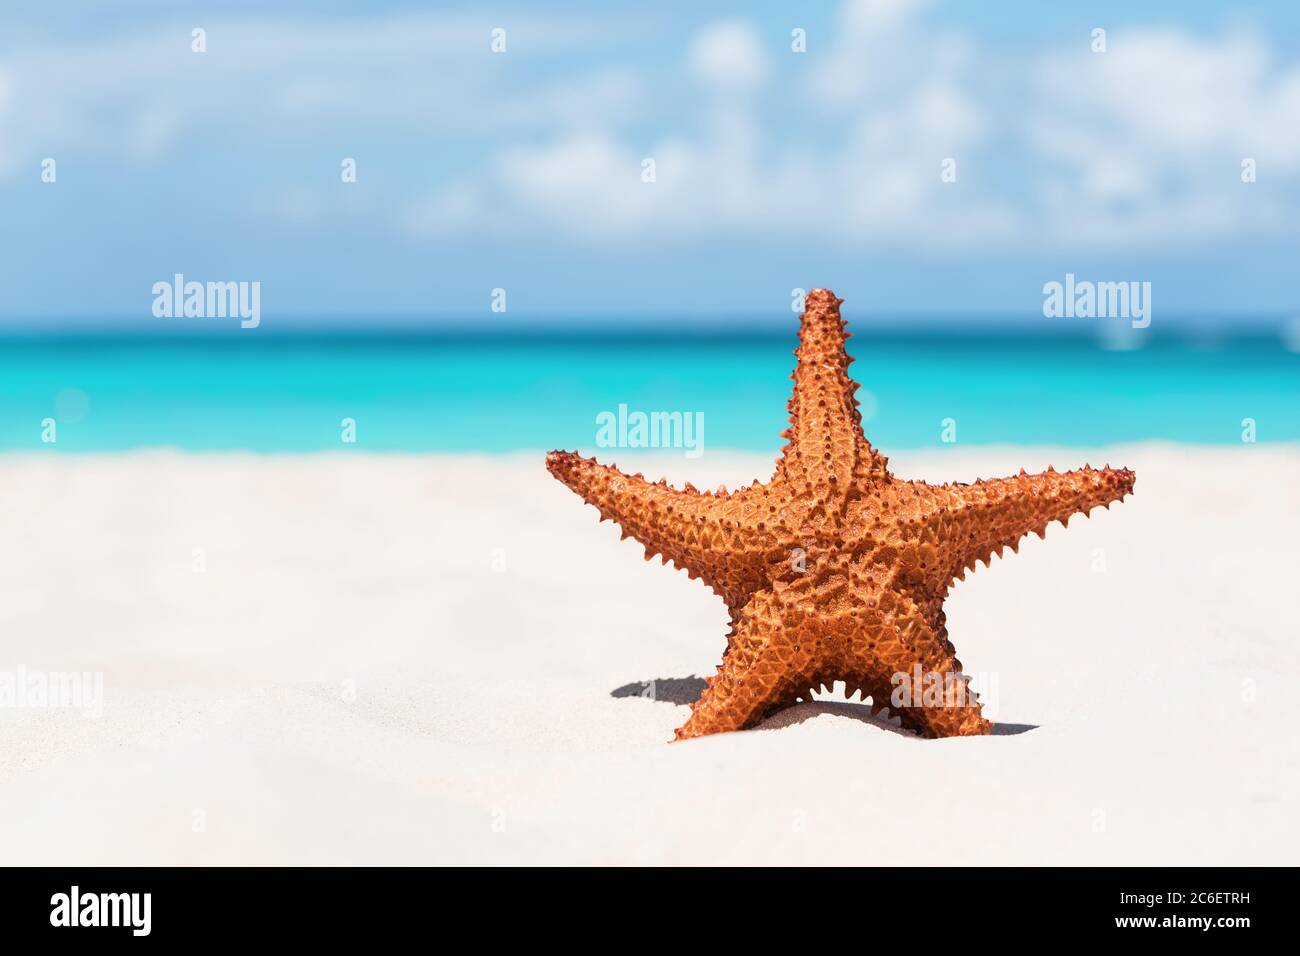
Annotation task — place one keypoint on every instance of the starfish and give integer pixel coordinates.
(835, 569)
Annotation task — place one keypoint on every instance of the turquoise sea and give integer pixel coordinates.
(462, 392)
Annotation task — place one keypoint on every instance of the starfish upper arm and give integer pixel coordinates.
(826, 449)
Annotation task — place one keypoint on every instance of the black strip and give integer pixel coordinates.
(932, 907)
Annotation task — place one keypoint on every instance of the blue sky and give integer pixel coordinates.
(522, 170)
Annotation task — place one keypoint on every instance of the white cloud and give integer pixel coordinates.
(1164, 89)
(874, 44)
(845, 142)
(1146, 140)
(586, 180)
(136, 95)
(871, 173)
(729, 54)
(864, 17)
(1141, 143)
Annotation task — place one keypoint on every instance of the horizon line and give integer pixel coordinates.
(641, 324)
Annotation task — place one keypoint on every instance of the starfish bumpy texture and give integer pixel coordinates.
(835, 569)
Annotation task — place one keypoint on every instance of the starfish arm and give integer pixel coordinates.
(826, 448)
(714, 537)
(963, 524)
(902, 658)
(765, 667)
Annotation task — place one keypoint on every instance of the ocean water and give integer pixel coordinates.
(492, 394)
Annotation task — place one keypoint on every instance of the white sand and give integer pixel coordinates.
(482, 728)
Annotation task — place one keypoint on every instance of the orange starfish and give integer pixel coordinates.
(835, 569)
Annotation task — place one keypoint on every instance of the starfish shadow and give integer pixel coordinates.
(670, 690)
(687, 690)
(1010, 730)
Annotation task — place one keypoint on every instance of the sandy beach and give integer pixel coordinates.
(377, 659)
